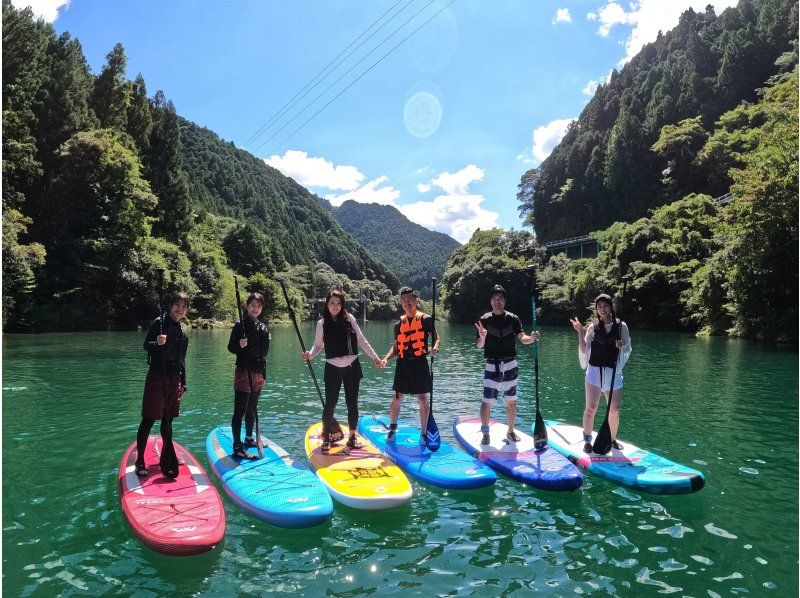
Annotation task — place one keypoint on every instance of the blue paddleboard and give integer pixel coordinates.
(446, 468)
(274, 489)
(631, 466)
(546, 469)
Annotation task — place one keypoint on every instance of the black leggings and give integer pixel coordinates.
(334, 377)
(240, 402)
(144, 432)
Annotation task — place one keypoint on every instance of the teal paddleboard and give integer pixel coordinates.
(631, 466)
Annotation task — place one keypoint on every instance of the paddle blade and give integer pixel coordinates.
(602, 442)
(432, 439)
(336, 433)
(539, 432)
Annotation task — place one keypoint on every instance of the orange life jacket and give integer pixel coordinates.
(411, 337)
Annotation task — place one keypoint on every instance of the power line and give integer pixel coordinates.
(284, 108)
(343, 75)
(360, 76)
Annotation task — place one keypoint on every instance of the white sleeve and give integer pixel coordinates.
(584, 357)
(318, 342)
(627, 348)
(362, 340)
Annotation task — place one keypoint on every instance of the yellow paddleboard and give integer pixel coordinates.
(359, 478)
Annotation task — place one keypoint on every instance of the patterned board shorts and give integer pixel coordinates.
(500, 376)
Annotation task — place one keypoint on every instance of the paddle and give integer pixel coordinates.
(336, 432)
(432, 438)
(169, 459)
(249, 374)
(603, 440)
(539, 429)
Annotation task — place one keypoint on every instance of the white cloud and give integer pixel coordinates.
(457, 212)
(423, 187)
(316, 172)
(46, 9)
(457, 182)
(368, 193)
(648, 17)
(456, 215)
(562, 16)
(546, 137)
(591, 86)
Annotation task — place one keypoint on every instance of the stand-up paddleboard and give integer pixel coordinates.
(181, 516)
(546, 469)
(631, 466)
(274, 489)
(360, 478)
(447, 468)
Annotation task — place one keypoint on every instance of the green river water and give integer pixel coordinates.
(71, 405)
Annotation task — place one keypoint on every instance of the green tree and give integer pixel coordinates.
(21, 264)
(111, 96)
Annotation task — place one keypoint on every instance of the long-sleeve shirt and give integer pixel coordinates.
(169, 358)
(624, 352)
(343, 362)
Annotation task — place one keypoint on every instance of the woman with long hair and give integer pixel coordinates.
(338, 333)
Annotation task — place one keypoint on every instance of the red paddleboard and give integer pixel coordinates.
(177, 517)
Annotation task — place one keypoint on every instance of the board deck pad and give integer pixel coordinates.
(360, 478)
(182, 516)
(448, 467)
(632, 466)
(545, 469)
(275, 489)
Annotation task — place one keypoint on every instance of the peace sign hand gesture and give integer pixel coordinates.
(576, 324)
(482, 332)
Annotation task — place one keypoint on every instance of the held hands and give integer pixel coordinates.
(161, 340)
(379, 363)
(243, 342)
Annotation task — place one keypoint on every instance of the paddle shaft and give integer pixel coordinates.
(336, 429)
(249, 373)
(539, 428)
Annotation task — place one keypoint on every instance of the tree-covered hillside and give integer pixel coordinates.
(414, 253)
(103, 185)
(689, 265)
(616, 161)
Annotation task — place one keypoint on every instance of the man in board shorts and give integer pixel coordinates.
(497, 334)
(410, 345)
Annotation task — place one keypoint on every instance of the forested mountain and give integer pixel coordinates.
(414, 253)
(689, 265)
(228, 181)
(104, 185)
(637, 144)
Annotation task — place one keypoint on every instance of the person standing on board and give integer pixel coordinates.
(166, 344)
(606, 344)
(249, 341)
(339, 334)
(410, 345)
(498, 331)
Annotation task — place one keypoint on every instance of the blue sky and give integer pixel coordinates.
(442, 127)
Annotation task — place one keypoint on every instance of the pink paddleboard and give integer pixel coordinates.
(178, 517)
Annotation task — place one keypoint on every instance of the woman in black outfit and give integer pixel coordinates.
(250, 343)
(166, 344)
(339, 334)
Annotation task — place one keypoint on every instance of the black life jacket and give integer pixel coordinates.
(254, 356)
(339, 338)
(604, 350)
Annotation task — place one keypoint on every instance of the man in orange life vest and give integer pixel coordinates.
(410, 345)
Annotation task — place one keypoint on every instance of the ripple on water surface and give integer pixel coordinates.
(64, 534)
